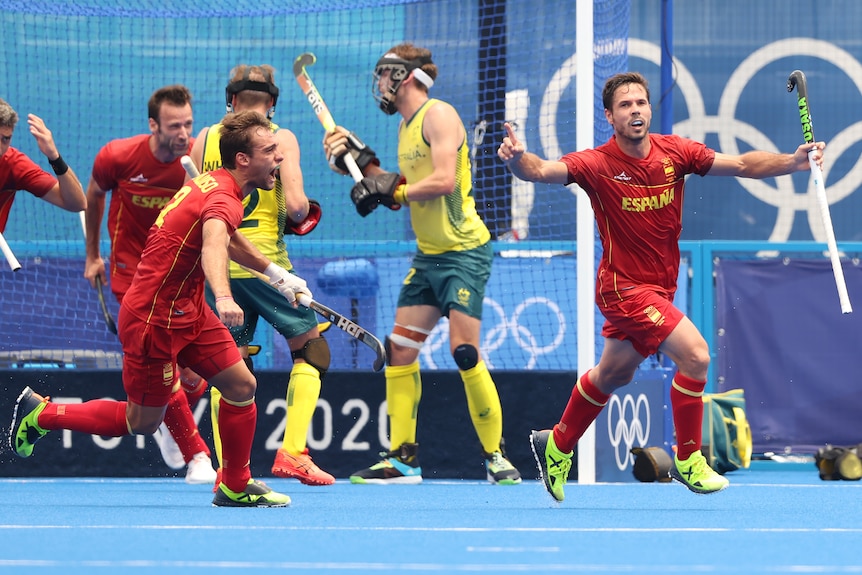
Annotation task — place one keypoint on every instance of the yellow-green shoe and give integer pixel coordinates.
(24, 431)
(554, 465)
(500, 470)
(256, 494)
(696, 474)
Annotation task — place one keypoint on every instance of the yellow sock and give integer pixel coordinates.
(483, 402)
(403, 391)
(215, 398)
(303, 390)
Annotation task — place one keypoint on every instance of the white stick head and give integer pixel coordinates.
(190, 167)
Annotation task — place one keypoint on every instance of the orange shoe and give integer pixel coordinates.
(300, 467)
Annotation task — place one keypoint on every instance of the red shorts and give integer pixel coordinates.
(151, 353)
(645, 316)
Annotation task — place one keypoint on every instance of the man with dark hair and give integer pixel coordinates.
(269, 215)
(636, 183)
(18, 172)
(143, 172)
(164, 319)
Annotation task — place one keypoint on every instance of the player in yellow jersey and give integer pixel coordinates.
(268, 215)
(449, 273)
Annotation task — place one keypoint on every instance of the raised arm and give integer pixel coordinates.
(68, 193)
(528, 166)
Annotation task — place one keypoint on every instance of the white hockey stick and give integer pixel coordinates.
(10, 257)
(191, 168)
(797, 80)
(319, 106)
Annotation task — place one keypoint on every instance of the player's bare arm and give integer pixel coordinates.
(94, 265)
(214, 260)
(444, 132)
(197, 151)
(68, 193)
(759, 164)
(290, 174)
(528, 166)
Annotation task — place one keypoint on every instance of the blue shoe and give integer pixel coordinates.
(400, 466)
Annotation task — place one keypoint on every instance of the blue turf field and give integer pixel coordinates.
(774, 518)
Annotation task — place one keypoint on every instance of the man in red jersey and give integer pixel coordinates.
(635, 183)
(19, 172)
(164, 318)
(143, 173)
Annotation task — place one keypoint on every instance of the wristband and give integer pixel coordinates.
(59, 166)
(224, 297)
(400, 195)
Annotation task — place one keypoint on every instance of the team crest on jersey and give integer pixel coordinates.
(669, 171)
(168, 374)
(654, 315)
(464, 297)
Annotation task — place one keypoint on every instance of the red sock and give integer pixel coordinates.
(97, 417)
(583, 408)
(181, 423)
(236, 425)
(686, 400)
(196, 393)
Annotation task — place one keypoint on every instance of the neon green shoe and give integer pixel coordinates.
(256, 494)
(25, 431)
(554, 465)
(696, 474)
(500, 470)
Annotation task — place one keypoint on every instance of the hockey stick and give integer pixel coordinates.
(10, 257)
(109, 320)
(319, 106)
(352, 329)
(191, 168)
(797, 80)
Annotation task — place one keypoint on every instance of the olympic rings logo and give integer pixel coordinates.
(628, 422)
(731, 131)
(537, 325)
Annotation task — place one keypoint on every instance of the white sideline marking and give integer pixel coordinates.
(453, 529)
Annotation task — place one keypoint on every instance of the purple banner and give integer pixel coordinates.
(781, 337)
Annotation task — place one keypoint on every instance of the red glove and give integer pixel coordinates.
(309, 223)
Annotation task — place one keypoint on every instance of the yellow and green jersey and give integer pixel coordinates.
(449, 223)
(264, 211)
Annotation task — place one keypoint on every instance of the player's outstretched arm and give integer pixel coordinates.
(528, 166)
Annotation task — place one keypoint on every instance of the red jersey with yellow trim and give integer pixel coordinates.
(638, 207)
(19, 172)
(168, 287)
(141, 186)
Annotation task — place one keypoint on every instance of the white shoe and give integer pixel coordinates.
(170, 450)
(200, 471)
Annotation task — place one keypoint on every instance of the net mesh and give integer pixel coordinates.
(88, 67)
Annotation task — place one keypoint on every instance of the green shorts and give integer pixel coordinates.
(260, 300)
(450, 280)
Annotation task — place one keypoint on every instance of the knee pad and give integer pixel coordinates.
(466, 356)
(249, 363)
(315, 352)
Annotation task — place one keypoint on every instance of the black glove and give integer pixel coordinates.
(371, 191)
(362, 154)
(309, 223)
